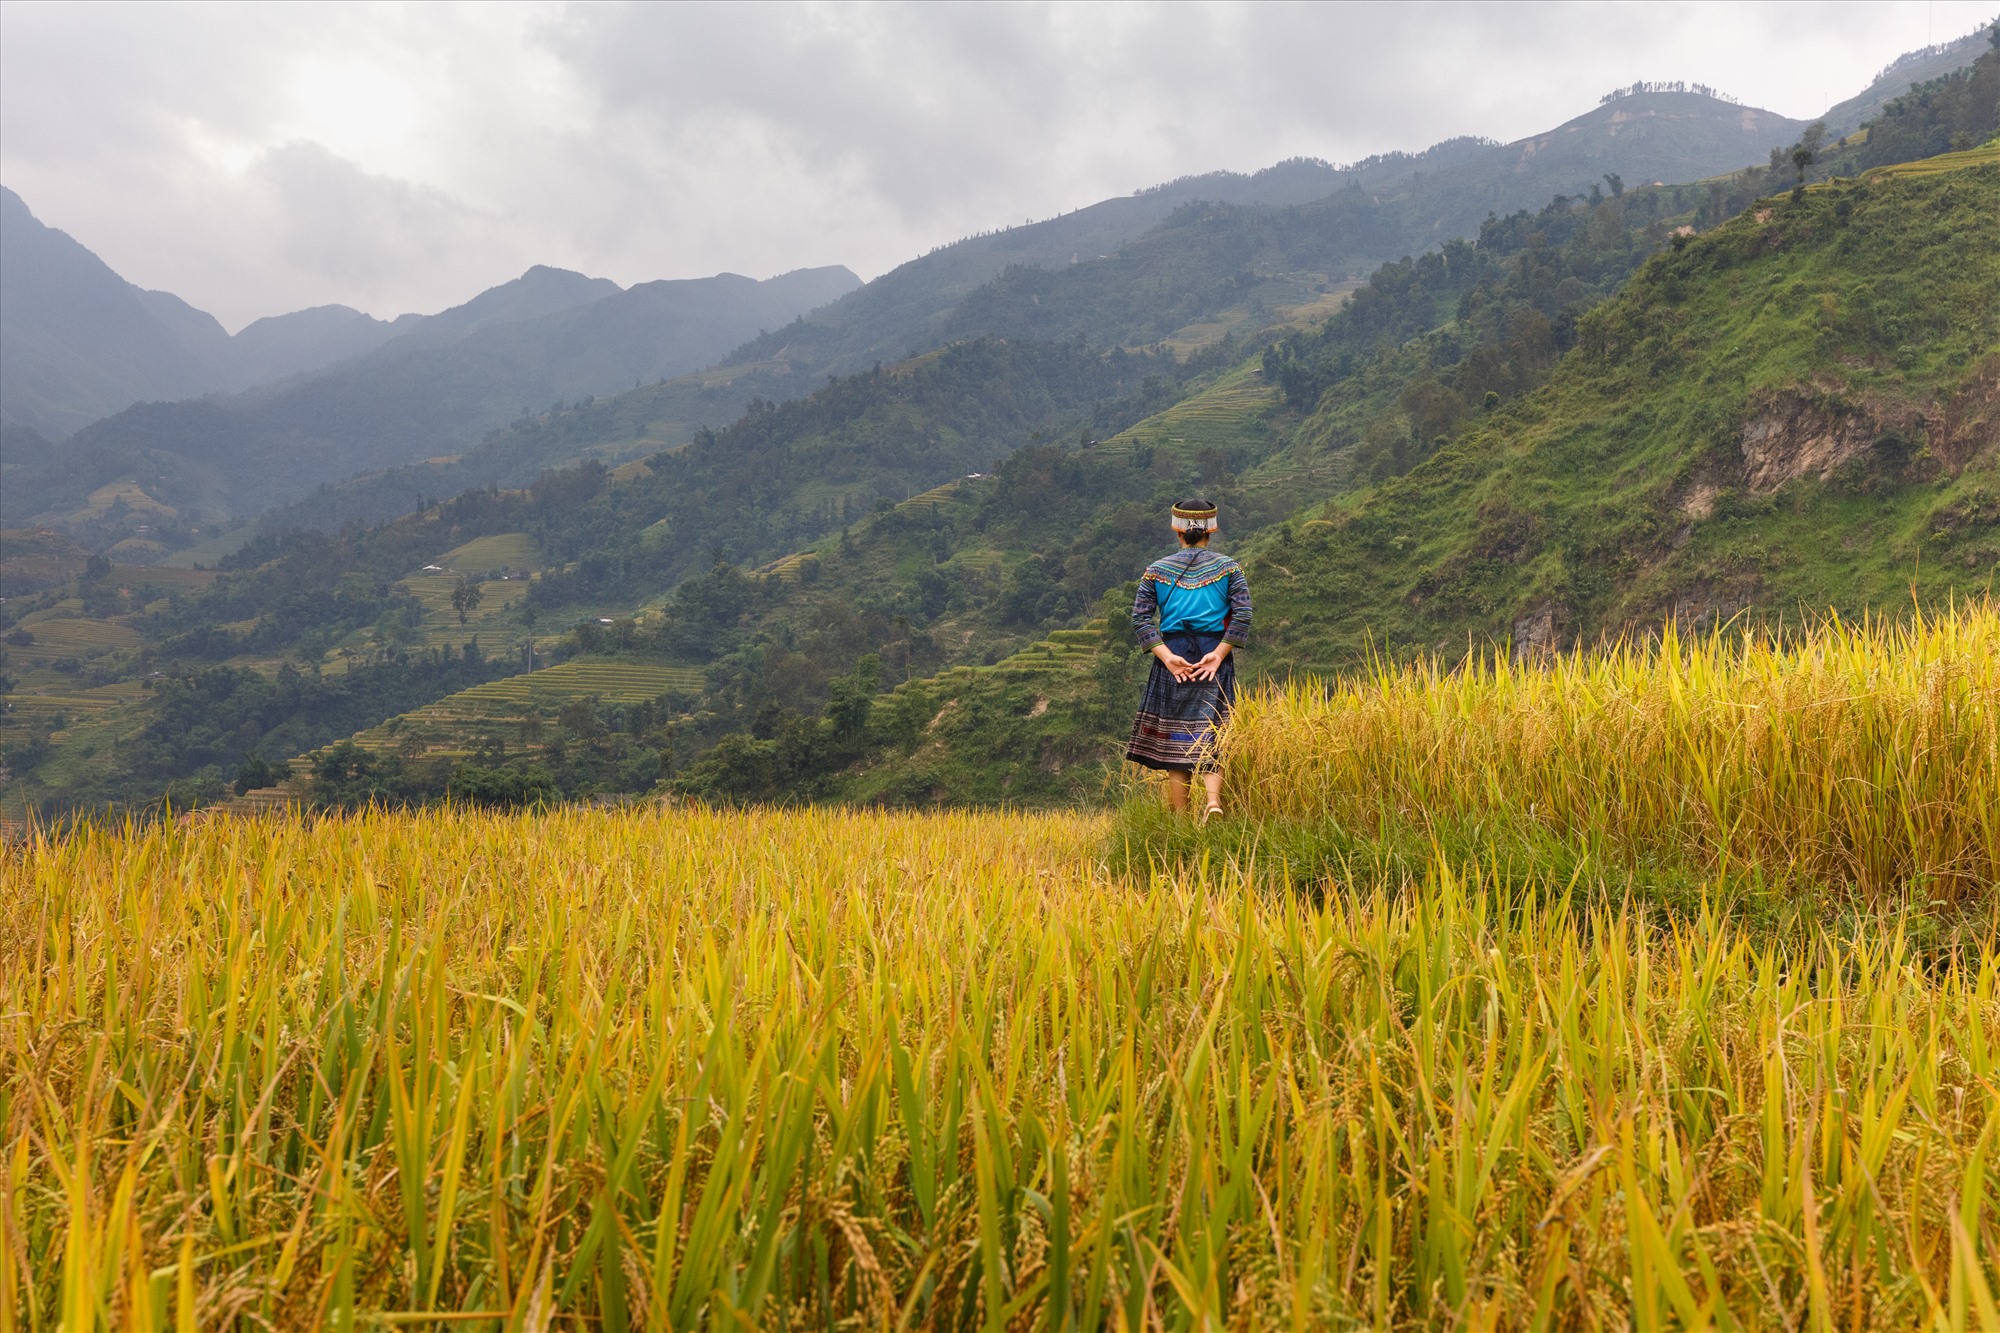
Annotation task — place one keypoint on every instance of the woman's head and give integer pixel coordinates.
(1194, 521)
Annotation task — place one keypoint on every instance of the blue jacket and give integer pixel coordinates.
(1193, 589)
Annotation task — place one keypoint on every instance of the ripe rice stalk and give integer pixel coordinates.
(701, 1069)
(1863, 756)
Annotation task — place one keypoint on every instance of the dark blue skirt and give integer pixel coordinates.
(1175, 729)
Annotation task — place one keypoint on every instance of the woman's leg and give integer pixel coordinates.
(1177, 791)
(1213, 782)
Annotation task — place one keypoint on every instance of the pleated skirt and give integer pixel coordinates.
(1175, 728)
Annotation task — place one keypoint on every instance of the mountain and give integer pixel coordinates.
(1333, 223)
(1184, 265)
(77, 341)
(433, 390)
(280, 345)
(538, 292)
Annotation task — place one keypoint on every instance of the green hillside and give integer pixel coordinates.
(1798, 411)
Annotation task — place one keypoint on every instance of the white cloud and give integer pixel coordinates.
(259, 158)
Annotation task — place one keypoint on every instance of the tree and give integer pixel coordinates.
(1804, 151)
(1616, 182)
(255, 771)
(465, 597)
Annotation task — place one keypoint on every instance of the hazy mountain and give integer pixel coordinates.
(78, 341)
(281, 345)
(1222, 249)
(1642, 136)
(433, 390)
(540, 291)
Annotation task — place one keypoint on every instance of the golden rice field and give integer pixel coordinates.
(686, 1068)
(1861, 757)
(815, 1069)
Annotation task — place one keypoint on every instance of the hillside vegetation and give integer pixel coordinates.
(1797, 410)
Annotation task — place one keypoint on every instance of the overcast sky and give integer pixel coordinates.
(261, 158)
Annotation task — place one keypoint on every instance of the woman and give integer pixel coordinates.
(1201, 602)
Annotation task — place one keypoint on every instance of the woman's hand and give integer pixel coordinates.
(1206, 668)
(1179, 667)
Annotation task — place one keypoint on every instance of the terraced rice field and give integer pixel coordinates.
(511, 709)
(506, 550)
(785, 568)
(43, 704)
(986, 561)
(66, 636)
(161, 578)
(617, 681)
(1226, 413)
(434, 592)
(209, 552)
(1932, 166)
(1065, 650)
(933, 497)
(1320, 308)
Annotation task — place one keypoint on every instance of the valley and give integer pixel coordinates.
(1546, 434)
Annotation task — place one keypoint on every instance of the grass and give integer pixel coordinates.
(685, 1068)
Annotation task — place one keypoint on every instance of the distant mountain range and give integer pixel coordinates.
(1431, 196)
(320, 396)
(78, 342)
(334, 392)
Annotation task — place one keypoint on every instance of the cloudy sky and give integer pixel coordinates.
(260, 158)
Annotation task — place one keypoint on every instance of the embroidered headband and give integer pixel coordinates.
(1194, 516)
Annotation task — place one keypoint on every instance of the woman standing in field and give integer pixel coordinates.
(1192, 612)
